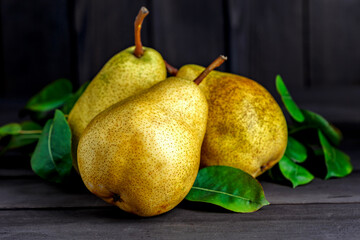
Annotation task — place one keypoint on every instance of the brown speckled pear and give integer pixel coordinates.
(125, 74)
(246, 127)
(143, 153)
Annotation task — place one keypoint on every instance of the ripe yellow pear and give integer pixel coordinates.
(246, 127)
(125, 74)
(143, 153)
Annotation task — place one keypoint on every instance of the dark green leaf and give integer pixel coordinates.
(295, 150)
(314, 120)
(52, 159)
(286, 98)
(69, 104)
(10, 129)
(31, 135)
(295, 173)
(52, 96)
(337, 162)
(318, 151)
(229, 188)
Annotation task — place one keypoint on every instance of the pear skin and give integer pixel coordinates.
(143, 154)
(246, 127)
(124, 75)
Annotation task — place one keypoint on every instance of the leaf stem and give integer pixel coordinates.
(298, 129)
(30, 132)
(139, 51)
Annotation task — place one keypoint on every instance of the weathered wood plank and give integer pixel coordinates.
(25, 190)
(29, 191)
(189, 31)
(9, 110)
(268, 35)
(35, 45)
(335, 190)
(338, 104)
(105, 28)
(344, 190)
(239, 20)
(2, 74)
(334, 42)
(326, 221)
(333, 49)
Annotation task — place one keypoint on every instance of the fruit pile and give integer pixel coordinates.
(138, 138)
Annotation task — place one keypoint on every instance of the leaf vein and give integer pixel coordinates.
(224, 193)
(49, 144)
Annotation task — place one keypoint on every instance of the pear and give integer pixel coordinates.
(246, 128)
(125, 74)
(143, 153)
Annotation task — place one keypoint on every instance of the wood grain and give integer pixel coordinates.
(334, 42)
(35, 45)
(330, 221)
(312, 44)
(31, 208)
(187, 32)
(271, 36)
(104, 28)
(20, 188)
(239, 20)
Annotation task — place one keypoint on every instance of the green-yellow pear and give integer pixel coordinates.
(143, 153)
(246, 127)
(125, 74)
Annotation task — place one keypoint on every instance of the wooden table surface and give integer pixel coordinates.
(31, 208)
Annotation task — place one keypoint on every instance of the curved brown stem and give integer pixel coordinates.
(170, 69)
(216, 63)
(138, 52)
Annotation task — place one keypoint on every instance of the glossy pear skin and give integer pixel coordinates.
(246, 127)
(143, 154)
(122, 76)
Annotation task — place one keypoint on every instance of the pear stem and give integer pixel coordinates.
(170, 69)
(216, 63)
(139, 51)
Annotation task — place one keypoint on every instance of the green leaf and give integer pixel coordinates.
(69, 104)
(337, 162)
(286, 98)
(318, 151)
(228, 187)
(314, 120)
(295, 150)
(52, 96)
(295, 173)
(52, 159)
(23, 139)
(10, 129)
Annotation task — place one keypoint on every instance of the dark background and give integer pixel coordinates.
(313, 44)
